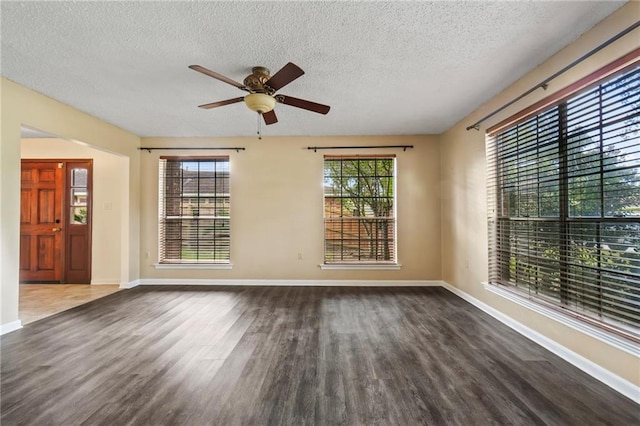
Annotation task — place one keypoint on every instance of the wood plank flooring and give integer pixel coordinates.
(39, 301)
(290, 356)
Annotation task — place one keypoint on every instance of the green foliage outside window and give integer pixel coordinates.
(567, 206)
(359, 209)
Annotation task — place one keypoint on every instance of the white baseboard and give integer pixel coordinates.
(105, 282)
(280, 283)
(130, 284)
(614, 381)
(10, 326)
(583, 327)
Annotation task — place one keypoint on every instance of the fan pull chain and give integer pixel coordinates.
(259, 125)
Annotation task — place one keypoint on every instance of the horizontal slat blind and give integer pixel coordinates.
(564, 205)
(194, 210)
(359, 209)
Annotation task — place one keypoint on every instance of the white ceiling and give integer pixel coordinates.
(384, 67)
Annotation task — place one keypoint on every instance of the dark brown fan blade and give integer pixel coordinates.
(301, 103)
(221, 103)
(286, 75)
(217, 76)
(270, 117)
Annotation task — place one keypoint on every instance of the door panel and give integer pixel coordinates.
(25, 258)
(47, 206)
(46, 252)
(25, 206)
(78, 207)
(41, 220)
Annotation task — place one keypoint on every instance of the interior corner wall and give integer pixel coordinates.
(277, 208)
(108, 186)
(21, 106)
(464, 212)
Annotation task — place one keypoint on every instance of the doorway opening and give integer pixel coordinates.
(94, 215)
(55, 220)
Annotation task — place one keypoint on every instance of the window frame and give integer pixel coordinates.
(565, 220)
(392, 220)
(216, 255)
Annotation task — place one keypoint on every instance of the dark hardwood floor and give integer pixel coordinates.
(290, 355)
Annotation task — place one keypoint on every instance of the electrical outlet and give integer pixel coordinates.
(147, 255)
(300, 255)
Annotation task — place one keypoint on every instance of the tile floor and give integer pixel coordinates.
(38, 301)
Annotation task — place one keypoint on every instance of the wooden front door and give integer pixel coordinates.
(41, 220)
(55, 221)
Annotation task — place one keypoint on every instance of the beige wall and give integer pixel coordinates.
(108, 197)
(22, 106)
(276, 204)
(464, 229)
(446, 240)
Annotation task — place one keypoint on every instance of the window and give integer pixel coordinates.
(359, 209)
(79, 190)
(194, 209)
(564, 204)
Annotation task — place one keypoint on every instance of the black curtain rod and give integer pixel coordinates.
(316, 148)
(544, 84)
(235, 148)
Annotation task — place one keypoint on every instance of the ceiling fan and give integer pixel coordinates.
(262, 88)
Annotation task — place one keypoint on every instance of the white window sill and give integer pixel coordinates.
(361, 266)
(193, 266)
(614, 340)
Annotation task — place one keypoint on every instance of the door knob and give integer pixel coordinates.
(57, 229)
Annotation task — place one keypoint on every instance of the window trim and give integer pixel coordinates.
(391, 266)
(201, 265)
(364, 264)
(190, 264)
(576, 322)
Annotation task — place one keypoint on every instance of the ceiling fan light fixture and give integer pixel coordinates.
(260, 102)
(262, 88)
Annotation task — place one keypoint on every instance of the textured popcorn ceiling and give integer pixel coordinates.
(384, 67)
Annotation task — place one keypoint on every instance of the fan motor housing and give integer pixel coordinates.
(256, 80)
